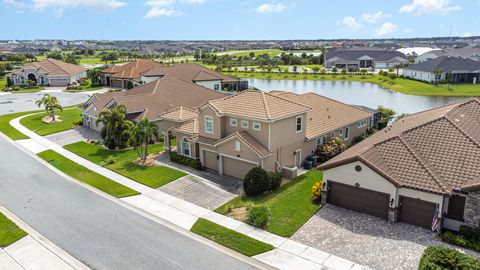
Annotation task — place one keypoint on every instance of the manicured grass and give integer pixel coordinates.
(28, 90)
(68, 116)
(3, 83)
(9, 232)
(229, 238)
(150, 176)
(84, 88)
(442, 258)
(405, 86)
(87, 176)
(290, 205)
(10, 131)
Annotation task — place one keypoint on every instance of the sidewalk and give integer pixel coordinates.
(287, 255)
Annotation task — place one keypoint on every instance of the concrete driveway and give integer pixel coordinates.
(70, 136)
(367, 240)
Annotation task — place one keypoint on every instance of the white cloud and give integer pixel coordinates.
(271, 8)
(386, 29)
(419, 7)
(350, 22)
(62, 4)
(470, 34)
(374, 17)
(162, 12)
(167, 8)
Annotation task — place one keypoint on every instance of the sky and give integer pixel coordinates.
(236, 19)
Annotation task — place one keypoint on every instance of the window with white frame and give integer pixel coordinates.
(340, 132)
(332, 135)
(257, 126)
(233, 122)
(237, 146)
(186, 147)
(244, 124)
(216, 87)
(209, 124)
(299, 121)
(321, 141)
(347, 133)
(362, 124)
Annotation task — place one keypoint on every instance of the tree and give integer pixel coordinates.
(330, 149)
(55, 55)
(72, 58)
(196, 56)
(397, 68)
(51, 104)
(9, 82)
(437, 72)
(115, 123)
(141, 135)
(386, 115)
(256, 182)
(95, 75)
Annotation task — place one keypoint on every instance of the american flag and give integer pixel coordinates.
(435, 221)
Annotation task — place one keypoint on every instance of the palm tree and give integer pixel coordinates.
(141, 135)
(114, 123)
(437, 72)
(51, 104)
(95, 75)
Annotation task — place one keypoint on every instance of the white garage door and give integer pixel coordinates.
(58, 82)
(236, 168)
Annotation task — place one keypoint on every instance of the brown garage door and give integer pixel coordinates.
(416, 212)
(358, 199)
(116, 83)
(210, 160)
(236, 168)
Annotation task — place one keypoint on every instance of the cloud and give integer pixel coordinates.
(271, 8)
(419, 7)
(386, 29)
(167, 8)
(350, 22)
(58, 6)
(374, 17)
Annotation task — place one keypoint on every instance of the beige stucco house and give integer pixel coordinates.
(275, 131)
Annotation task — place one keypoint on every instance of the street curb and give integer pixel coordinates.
(60, 253)
(187, 233)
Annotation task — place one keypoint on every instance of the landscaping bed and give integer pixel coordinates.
(87, 176)
(229, 238)
(467, 238)
(121, 162)
(68, 119)
(9, 232)
(290, 206)
(442, 258)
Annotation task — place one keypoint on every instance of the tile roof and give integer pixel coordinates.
(179, 114)
(55, 67)
(447, 64)
(435, 151)
(132, 70)
(188, 127)
(257, 105)
(190, 72)
(326, 114)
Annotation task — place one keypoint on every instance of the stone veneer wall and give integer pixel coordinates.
(472, 210)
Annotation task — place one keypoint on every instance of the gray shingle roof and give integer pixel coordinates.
(447, 64)
(355, 54)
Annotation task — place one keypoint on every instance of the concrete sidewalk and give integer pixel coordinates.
(287, 255)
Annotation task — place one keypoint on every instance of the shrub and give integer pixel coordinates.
(78, 122)
(330, 149)
(258, 216)
(467, 237)
(317, 190)
(130, 85)
(194, 163)
(440, 258)
(256, 182)
(275, 179)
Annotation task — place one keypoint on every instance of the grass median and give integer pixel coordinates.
(10, 131)
(67, 118)
(290, 205)
(9, 232)
(87, 176)
(120, 161)
(229, 238)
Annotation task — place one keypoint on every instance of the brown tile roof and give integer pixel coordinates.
(258, 105)
(179, 114)
(326, 114)
(436, 150)
(204, 140)
(190, 72)
(55, 67)
(243, 136)
(158, 97)
(188, 127)
(132, 70)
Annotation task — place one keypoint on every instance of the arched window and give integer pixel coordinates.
(186, 147)
(21, 80)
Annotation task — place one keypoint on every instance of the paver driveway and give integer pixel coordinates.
(367, 240)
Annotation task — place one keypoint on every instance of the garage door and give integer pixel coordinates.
(58, 82)
(358, 199)
(117, 83)
(210, 160)
(236, 168)
(416, 212)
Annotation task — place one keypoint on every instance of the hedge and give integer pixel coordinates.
(442, 258)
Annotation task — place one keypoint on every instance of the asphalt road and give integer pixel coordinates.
(11, 103)
(95, 230)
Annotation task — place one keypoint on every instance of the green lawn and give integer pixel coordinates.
(3, 83)
(84, 88)
(153, 177)
(229, 238)
(10, 131)
(87, 176)
(23, 90)
(400, 85)
(290, 206)
(9, 232)
(68, 116)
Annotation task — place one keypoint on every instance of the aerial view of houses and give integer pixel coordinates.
(244, 135)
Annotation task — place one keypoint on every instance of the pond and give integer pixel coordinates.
(357, 93)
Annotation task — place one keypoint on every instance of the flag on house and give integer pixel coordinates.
(435, 221)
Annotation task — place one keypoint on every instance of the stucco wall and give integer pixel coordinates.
(420, 75)
(210, 84)
(261, 136)
(284, 132)
(217, 123)
(149, 79)
(193, 146)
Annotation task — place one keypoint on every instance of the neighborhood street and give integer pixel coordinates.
(95, 230)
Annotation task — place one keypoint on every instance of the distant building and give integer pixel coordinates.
(364, 58)
(468, 52)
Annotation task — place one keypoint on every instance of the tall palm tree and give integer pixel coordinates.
(437, 72)
(95, 75)
(141, 135)
(114, 123)
(51, 104)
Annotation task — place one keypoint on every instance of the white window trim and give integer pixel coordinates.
(238, 146)
(244, 122)
(301, 123)
(206, 120)
(259, 126)
(347, 134)
(233, 122)
(189, 147)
